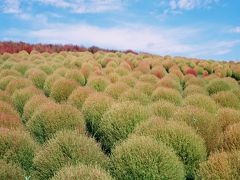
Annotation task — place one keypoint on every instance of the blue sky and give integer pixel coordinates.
(207, 29)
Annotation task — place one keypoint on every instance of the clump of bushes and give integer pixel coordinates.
(221, 165)
(17, 147)
(16, 84)
(227, 99)
(231, 137)
(217, 85)
(135, 95)
(51, 118)
(47, 88)
(93, 110)
(37, 77)
(10, 171)
(67, 148)
(79, 95)
(116, 89)
(62, 88)
(167, 94)
(119, 121)
(205, 124)
(187, 144)
(228, 116)
(201, 101)
(77, 76)
(82, 172)
(163, 109)
(33, 105)
(194, 89)
(21, 96)
(145, 158)
(98, 83)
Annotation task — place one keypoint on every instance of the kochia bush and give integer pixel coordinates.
(187, 144)
(37, 77)
(119, 121)
(51, 118)
(67, 148)
(76, 75)
(82, 172)
(141, 157)
(10, 171)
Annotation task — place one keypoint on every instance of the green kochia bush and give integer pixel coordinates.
(119, 121)
(47, 88)
(205, 123)
(98, 83)
(51, 118)
(93, 109)
(67, 148)
(18, 83)
(188, 145)
(17, 147)
(228, 116)
(21, 96)
(167, 94)
(79, 95)
(217, 85)
(10, 171)
(82, 172)
(37, 77)
(145, 158)
(227, 99)
(163, 109)
(135, 95)
(201, 101)
(62, 89)
(77, 76)
(116, 89)
(221, 165)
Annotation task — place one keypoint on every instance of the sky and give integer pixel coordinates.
(206, 29)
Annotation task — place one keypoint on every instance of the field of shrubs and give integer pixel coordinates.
(126, 116)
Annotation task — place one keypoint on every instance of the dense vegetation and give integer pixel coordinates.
(117, 115)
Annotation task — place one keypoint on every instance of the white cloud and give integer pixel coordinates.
(190, 4)
(85, 6)
(10, 6)
(236, 29)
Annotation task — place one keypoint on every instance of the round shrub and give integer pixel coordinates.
(221, 165)
(169, 82)
(227, 99)
(33, 105)
(10, 121)
(79, 95)
(76, 75)
(167, 94)
(17, 147)
(21, 67)
(47, 88)
(7, 108)
(194, 89)
(231, 137)
(4, 96)
(135, 95)
(93, 110)
(129, 80)
(145, 158)
(187, 144)
(201, 101)
(113, 77)
(5, 81)
(228, 116)
(51, 118)
(196, 81)
(37, 77)
(9, 72)
(62, 88)
(10, 171)
(119, 121)
(82, 172)
(146, 88)
(148, 78)
(98, 83)
(67, 148)
(217, 85)
(21, 96)
(19, 83)
(205, 124)
(116, 89)
(162, 109)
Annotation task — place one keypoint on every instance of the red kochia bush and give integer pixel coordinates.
(191, 71)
